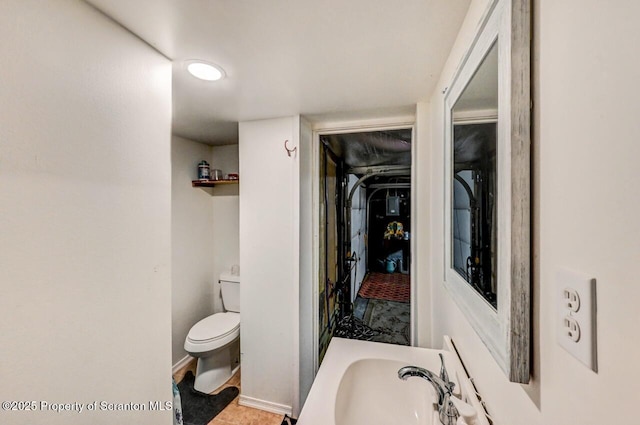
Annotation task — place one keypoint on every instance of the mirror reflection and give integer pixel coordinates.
(474, 212)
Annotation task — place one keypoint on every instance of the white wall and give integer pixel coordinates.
(308, 266)
(192, 229)
(269, 244)
(85, 184)
(584, 169)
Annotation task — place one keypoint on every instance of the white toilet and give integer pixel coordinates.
(215, 340)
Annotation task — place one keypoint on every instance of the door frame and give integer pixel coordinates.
(357, 126)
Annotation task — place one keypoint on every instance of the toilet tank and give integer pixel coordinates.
(230, 286)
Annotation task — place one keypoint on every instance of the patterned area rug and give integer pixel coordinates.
(387, 321)
(390, 321)
(387, 286)
(288, 420)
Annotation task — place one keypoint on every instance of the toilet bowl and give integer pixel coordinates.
(215, 340)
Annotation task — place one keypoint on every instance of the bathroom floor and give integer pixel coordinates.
(234, 414)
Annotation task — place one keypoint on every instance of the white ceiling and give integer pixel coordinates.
(288, 57)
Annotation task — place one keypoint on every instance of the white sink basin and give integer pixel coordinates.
(370, 393)
(358, 384)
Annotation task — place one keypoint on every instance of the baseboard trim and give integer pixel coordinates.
(264, 405)
(181, 363)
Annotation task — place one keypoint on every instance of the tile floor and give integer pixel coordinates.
(234, 414)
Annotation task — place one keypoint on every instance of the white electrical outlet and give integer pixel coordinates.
(577, 316)
(571, 299)
(571, 328)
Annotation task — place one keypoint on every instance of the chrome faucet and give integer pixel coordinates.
(448, 414)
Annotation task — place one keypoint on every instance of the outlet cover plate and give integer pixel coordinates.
(585, 348)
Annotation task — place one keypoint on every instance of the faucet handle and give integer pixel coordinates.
(444, 375)
(443, 371)
(448, 413)
(467, 412)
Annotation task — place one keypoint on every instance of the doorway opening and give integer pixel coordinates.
(365, 236)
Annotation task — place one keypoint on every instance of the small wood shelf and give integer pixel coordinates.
(212, 183)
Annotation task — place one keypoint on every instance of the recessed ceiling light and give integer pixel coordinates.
(205, 71)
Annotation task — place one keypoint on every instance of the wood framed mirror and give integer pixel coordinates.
(487, 185)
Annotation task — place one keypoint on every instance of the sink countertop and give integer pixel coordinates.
(319, 408)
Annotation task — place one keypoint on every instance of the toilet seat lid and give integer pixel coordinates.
(215, 326)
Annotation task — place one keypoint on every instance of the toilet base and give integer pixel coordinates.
(216, 369)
